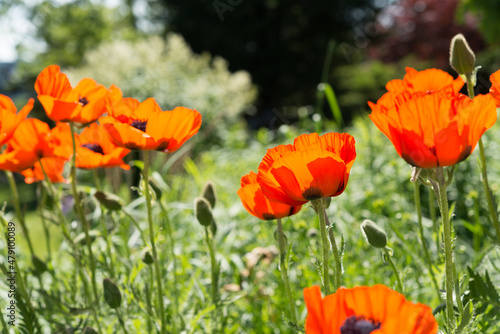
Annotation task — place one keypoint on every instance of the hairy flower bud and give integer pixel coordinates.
(203, 211)
(374, 234)
(112, 294)
(209, 193)
(462, 58)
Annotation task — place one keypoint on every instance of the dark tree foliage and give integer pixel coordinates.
(281, 43)
(424, 28)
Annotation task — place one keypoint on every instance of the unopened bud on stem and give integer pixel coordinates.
(203, 211)
(374, 234)
(462, 58)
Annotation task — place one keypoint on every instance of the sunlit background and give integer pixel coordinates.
(287, 47)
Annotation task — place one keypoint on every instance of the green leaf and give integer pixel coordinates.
(137, 163)
(467, 317)
(332, 102)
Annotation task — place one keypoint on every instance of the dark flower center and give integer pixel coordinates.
(140, 125)
(312, 193)
(359, 325)
(94, 147)
(83, 101)
(268, 216)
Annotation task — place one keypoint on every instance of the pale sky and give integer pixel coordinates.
(15, 27)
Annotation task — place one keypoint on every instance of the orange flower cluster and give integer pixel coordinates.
(363, 309)
(429, 122)
(291, 175)
(125, 124)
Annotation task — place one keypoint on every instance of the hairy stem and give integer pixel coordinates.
(284, 271)
(152, 240)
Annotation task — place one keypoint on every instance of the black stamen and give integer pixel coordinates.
(140, 125)
(94, 147)
(359, 325)
(83, 101)
(312, 193)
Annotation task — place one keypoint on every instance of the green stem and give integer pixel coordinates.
(171, 241)
(318, 203)
(120, 320)
(215, 278)
(19, 212)
(457, 290)
(85, 223)
(152, 239)
(108, 244)
(284, 271)
(432, 212)
(136, 224)
(44, 223)
(149, 298)
(422, 238)
(388, 258)
(97, 182)
(336, 254)
(4, 325)
(484, 172)
(448, 248)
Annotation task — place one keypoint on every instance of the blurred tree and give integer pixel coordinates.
(424, 28)
(281, 43)
(65, 32)
(488, 12)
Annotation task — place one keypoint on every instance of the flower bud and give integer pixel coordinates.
(109, 201)
(209, 193)
(89, 330)
(203, 211)
(112, 294)
(146, 256)
(462, 58)
(39, 265)
(374, 234)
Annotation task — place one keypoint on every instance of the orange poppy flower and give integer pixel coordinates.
(144, 126)
(33, 140)
(94, 149)
(433, 128)
(258, 205)
(83, 104)
(313, 167)
(375, 310)
(54, 167)
(9, 119)
(495, 87)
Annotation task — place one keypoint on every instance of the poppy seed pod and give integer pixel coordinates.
(374, 234)
(462, 58)
(203, 211)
